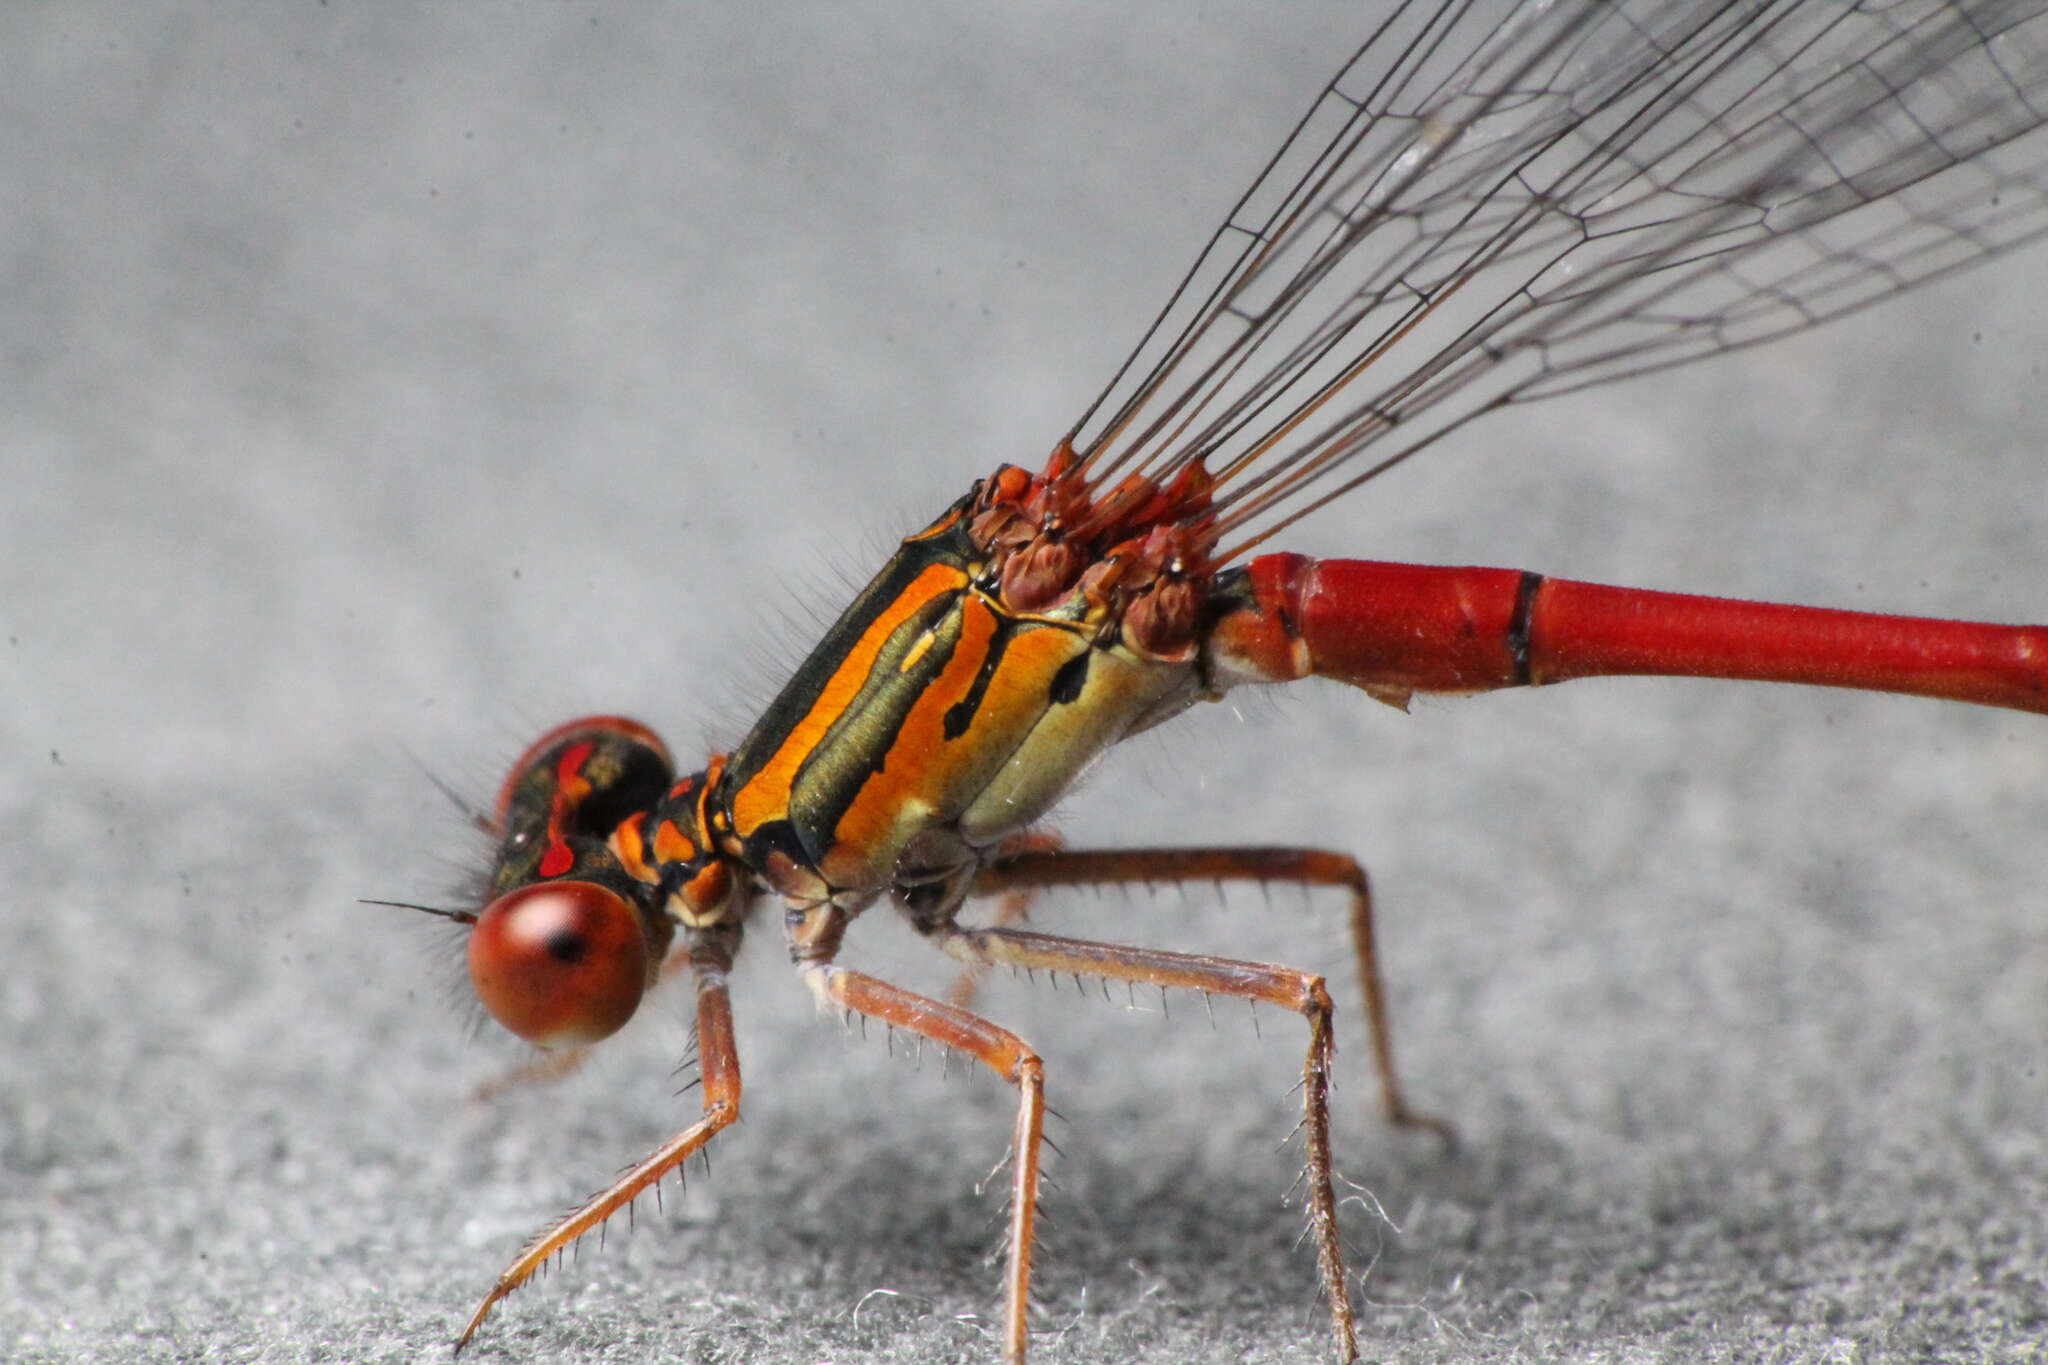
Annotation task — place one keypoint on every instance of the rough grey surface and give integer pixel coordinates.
(378, 384)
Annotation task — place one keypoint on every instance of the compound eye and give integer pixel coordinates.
(561, 964)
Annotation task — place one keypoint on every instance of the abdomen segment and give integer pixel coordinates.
(1397, 629)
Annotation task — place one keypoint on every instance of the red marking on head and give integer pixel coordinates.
(570, 765)
(582, 725)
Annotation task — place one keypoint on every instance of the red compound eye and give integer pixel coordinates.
(561, 964)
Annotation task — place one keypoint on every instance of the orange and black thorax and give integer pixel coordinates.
(930, 722)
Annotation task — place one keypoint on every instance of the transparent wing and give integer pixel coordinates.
(1495, 202)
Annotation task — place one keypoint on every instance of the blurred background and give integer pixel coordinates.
(379, 386)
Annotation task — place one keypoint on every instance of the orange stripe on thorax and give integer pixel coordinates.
(917, 759)
(928, 778)
(766, 796)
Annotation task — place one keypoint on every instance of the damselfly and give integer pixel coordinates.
(1488, 205)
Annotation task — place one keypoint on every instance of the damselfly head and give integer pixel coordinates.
(573, 933)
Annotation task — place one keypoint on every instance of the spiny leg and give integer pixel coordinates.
(719, 1065)
(1002, 1052)
(1301, 992)
(1011, 907)
(1011, 872)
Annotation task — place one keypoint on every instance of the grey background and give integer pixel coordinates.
(381, 386)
